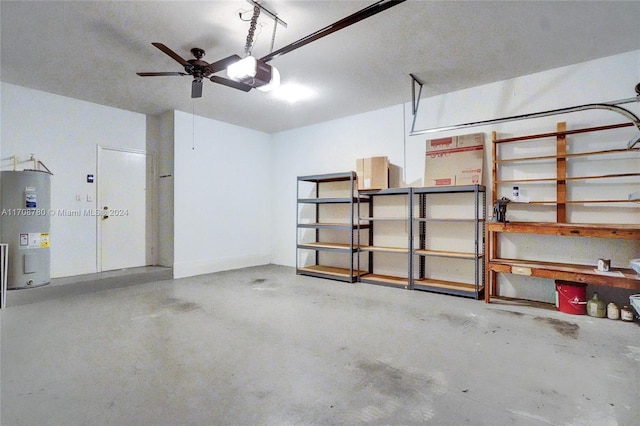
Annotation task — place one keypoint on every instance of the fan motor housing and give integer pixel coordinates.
(263, 74)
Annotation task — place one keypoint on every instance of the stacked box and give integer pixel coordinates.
(373, 173)
(454, 161)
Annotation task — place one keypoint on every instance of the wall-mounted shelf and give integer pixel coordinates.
(562, 177)
(574, 272)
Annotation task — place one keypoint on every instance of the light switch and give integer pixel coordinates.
(78, 197)
(89, 197)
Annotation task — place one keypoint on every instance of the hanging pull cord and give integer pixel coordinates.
(252, 30)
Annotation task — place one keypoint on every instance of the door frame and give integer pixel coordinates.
(151, 205)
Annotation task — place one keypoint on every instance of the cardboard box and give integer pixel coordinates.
(454, 161)
(373, 173)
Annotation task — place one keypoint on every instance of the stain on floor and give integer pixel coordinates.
(386, 378)
(565, 328)
(511, 313)
(179, 306)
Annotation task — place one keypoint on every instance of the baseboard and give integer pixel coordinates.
(209, 266)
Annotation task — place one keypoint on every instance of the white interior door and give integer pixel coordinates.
(122, 213)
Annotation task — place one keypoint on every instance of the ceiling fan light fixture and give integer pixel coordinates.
(243, 69)
(255, 73)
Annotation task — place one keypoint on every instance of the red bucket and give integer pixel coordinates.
(571, 298)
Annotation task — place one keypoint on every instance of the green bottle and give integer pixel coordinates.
(595, 307)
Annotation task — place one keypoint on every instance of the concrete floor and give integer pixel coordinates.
(264, 346)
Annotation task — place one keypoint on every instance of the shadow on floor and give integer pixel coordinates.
(89, 283)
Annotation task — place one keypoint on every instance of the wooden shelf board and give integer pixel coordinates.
(330, 177)
(620, 231)
(553, 203)
(399, 219)
(448, 285)
(331, 246)
(328, 200)
(554, 179)
(385, 249)
(587, 274)
(553, 157)
(448, 189)
(565, 132)
(385, 279)
(387, 191)
(459, 220)
(331, 225)
(439, 253)
(532, 180)
(330, 270)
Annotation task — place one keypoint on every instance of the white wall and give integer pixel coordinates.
(326, 148)
(163, 127)
(232, 190)
(333, 146)
(222, 196)
(602, 80)
(63, 133)
(220, 216)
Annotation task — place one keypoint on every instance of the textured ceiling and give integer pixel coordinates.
(91, 50)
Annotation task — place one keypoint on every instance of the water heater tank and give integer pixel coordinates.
(25, 223)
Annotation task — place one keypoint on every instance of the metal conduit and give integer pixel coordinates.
(611, 106)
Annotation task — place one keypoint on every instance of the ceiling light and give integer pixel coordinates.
(255, 73)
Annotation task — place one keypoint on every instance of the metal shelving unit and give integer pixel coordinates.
(413, 254)
(398, 251)
(424, 252)
(342, 195)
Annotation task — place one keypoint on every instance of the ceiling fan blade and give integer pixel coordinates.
(336, 26)
(222, 64)
(231, 83)
(157, 74)
(196, 88)
(171, 53)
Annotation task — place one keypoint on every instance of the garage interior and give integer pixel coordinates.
(184, 247)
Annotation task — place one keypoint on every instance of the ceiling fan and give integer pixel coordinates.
(200, 69)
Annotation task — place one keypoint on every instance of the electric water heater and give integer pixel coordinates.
(25, 204)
